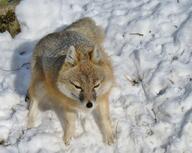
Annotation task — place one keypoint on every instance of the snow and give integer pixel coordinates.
(150, 43)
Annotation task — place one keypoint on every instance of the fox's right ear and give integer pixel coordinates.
(96, 55)
(71, 56)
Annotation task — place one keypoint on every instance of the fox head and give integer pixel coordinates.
(85, 76)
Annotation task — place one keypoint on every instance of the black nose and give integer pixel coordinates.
(89, 105)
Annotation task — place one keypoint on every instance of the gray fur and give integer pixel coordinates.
(52, 49)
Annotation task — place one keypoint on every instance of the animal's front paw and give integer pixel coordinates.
(32, 124)
(33, 121)
(110, 138)
(67, 139)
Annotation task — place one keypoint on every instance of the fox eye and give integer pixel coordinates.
(76, 86)
(97, 85)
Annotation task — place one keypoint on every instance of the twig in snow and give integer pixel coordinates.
(116, 129)
(133, 82)
(171, 81)
(155, 115)
(138, 34)
(116, 144)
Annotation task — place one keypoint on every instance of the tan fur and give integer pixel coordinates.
(71, 69)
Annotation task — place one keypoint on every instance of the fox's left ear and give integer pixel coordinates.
(96, 55)
(71, 56)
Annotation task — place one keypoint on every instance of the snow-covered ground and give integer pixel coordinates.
(150, 43)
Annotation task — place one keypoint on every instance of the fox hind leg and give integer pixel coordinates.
(33, 114)
(35, 94)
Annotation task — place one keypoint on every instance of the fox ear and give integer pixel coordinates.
(71, 56)
(96, 55)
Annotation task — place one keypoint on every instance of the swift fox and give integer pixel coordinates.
(72, 69)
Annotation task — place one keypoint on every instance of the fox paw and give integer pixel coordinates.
(31, 123)
(67, 140)
(110, 139)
